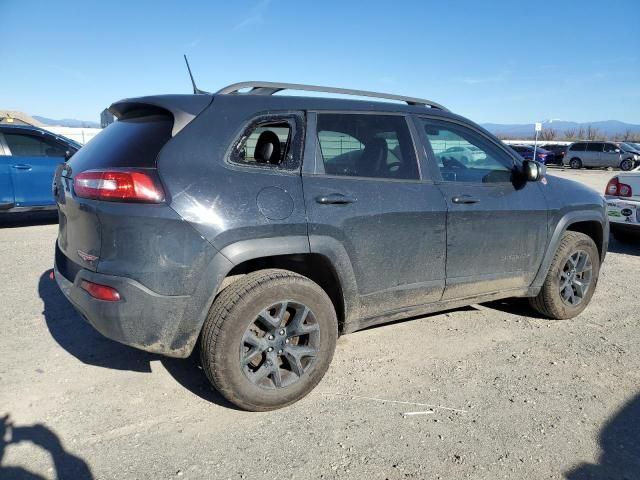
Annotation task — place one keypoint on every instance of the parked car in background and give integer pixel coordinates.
(557, 150)
(599, 154)
(526, 152)
(467, 154)
(29, 157)
(623, 205)
(630, 148)
(189, 220)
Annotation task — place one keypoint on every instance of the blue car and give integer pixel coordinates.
(29, 157)
(526, 152)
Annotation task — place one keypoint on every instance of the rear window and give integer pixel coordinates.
(133, 142)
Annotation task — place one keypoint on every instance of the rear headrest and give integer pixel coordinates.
(267, 148)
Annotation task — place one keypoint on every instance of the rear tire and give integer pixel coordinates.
(268, 339)
(626, 165)
(576, 262)
(575, 163)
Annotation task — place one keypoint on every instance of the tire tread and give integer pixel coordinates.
(219, 313)
(548, 302)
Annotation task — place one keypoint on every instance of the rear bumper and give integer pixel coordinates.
(623, 213)
(142, 318)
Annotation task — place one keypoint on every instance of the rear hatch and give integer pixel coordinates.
(132, 142)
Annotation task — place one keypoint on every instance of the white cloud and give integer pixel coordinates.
(255, 15)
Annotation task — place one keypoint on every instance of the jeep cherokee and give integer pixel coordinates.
(262, 226)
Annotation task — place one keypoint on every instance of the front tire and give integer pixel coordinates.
(571, 280)
(268, 339)
(575, 163)
(626, 165)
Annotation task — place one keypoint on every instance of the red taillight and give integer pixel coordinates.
(118, 185)
(618, 189)
(101, 292)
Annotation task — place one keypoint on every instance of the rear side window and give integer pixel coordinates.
(22, 145)
(264, 144)
(578, 147)
(374, 146)
(133, 142)
(594, 147)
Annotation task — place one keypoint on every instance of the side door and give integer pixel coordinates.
(33, 163)
(593, 155)
(366, 196)
(611, 155)
(7, 199)
(496, 223)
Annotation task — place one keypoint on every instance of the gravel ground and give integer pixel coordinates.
(489, 391)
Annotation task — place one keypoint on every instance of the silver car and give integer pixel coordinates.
(599, 154)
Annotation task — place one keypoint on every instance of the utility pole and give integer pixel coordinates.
(535, 143)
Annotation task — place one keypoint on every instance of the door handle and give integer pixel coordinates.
(22, 166)
(465, 199)
(335, 199)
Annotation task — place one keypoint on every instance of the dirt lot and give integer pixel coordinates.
(499, 393)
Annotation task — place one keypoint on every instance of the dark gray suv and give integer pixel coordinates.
(262, 226)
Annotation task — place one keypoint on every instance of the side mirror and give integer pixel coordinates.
(617, 150)
(533, 171)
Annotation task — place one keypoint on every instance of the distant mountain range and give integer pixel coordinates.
(67, 122)
(606, 127)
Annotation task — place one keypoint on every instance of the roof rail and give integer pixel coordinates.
(269, 88)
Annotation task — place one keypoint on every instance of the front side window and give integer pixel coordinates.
(359, 145)
(463, 155)
(22, 145)
(610, 148)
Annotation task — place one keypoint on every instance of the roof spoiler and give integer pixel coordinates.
(183, 108)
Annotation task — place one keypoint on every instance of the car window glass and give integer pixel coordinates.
(594, 147)
(264, 144)
(22, 145)
(610, 147)
(377, 146)
(466, 156)
(578, 147)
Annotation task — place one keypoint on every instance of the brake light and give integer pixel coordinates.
(118, 185)
(101, 292)
(618, 189)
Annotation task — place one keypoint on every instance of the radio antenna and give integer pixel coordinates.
(196, 90)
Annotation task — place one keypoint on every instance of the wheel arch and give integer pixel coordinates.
(591, 223)
(322, 261)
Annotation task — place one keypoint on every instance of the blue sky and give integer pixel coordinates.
(499, 61)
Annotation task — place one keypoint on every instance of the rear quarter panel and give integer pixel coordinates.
(229, 203)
